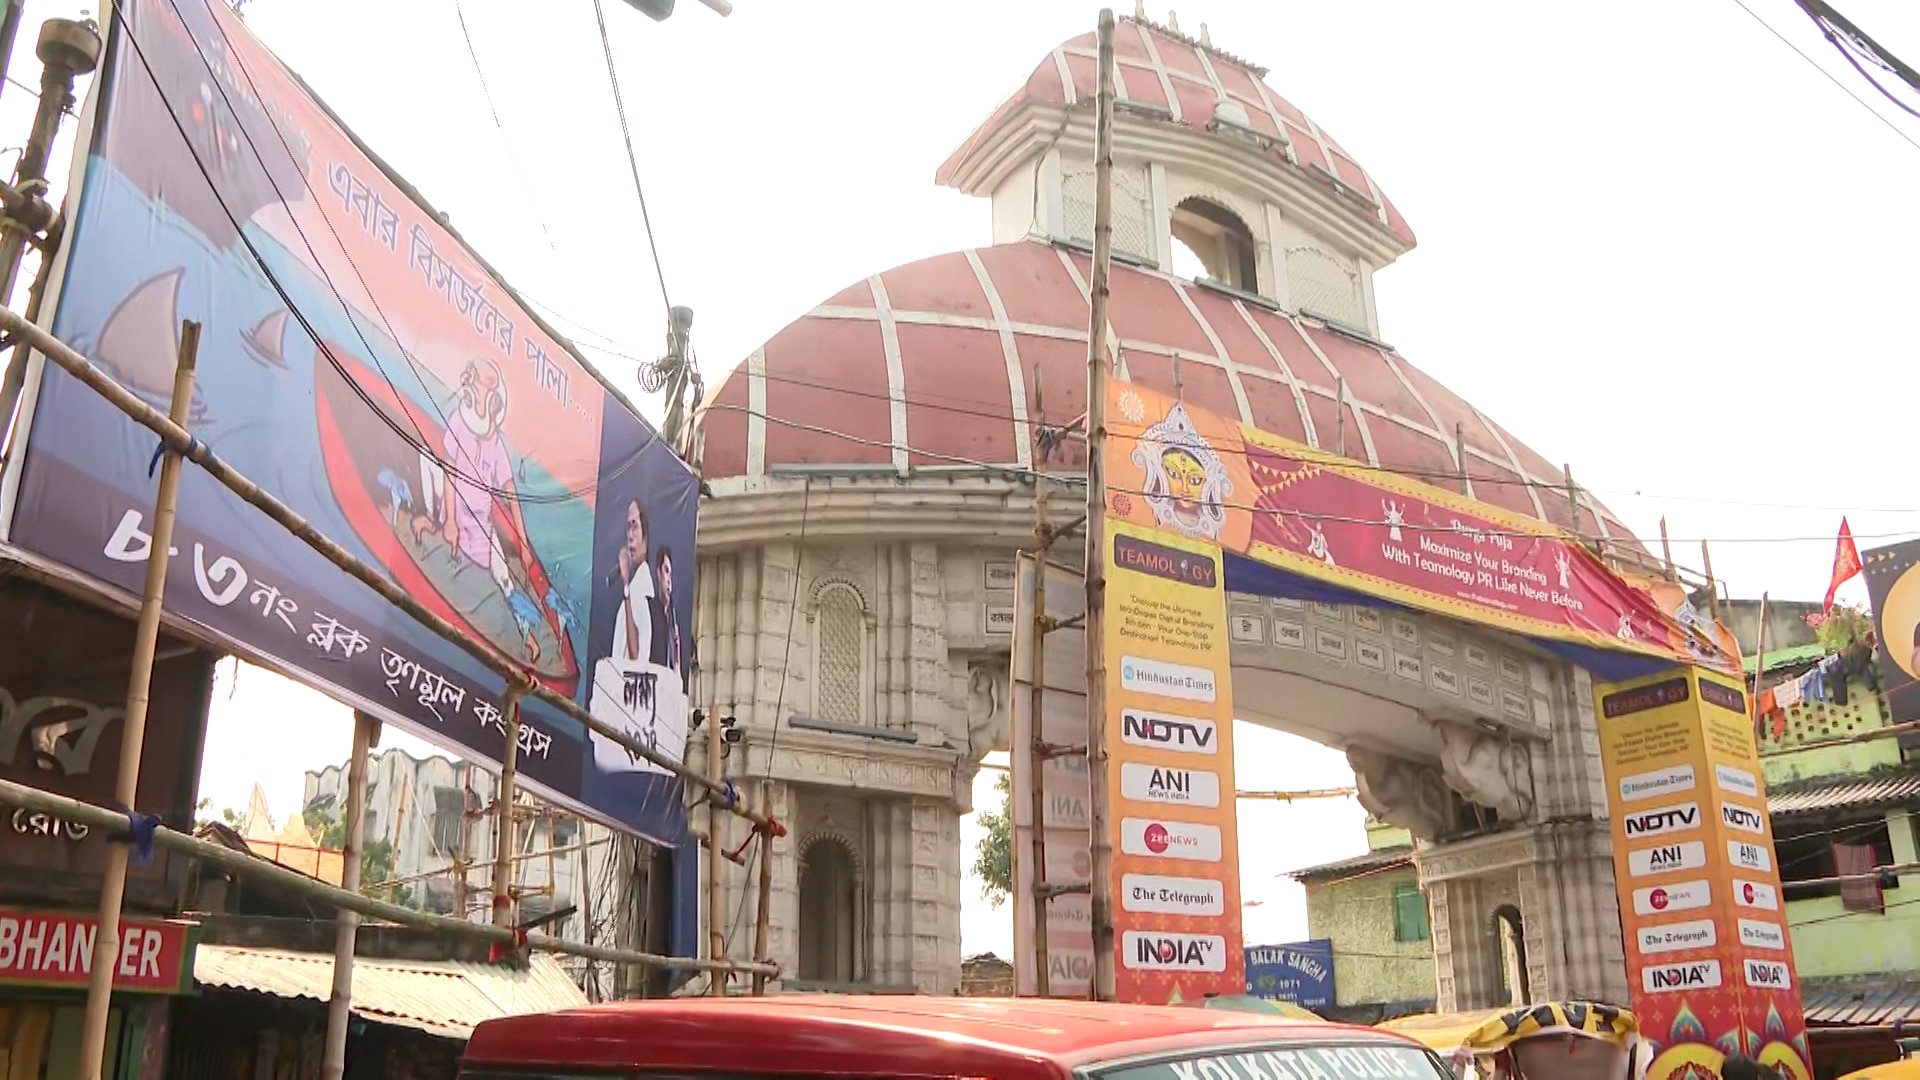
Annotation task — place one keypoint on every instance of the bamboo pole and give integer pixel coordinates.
(178, 439)
(763, 915)
(333, 1062)
(133, 730)
(1666, 550)
(1713, 587)
(1037, 792)
(1759, 669)
(1096, 563)
(716, 893)
(253, 867)
(503, 830)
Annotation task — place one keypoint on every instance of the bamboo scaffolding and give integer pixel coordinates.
(179, 440)
(115, 823)
(1101, 887)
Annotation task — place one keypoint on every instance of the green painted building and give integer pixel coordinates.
(1372, 910)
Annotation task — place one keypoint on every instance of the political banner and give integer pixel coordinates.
(1339, 523)
(1709, 961)
(1170, 779)
(1301, 972)
(364, 366)
(1893, 586)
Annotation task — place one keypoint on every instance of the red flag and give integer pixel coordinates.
(1846, 562)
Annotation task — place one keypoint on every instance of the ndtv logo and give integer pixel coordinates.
(1168, 951)
(1667, 819)
(1182, 734)
(1743, 818)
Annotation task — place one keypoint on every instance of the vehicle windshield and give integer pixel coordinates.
(1289, 1062)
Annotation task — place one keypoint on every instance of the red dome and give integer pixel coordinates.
(934, 361)
(1186, 79)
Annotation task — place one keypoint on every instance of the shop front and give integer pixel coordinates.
(45, 962)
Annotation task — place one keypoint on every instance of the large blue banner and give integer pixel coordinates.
(377, 378)
(1301, 973)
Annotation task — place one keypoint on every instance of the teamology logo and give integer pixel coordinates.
(1668, 819)
(1164, 731)
(1166, 950)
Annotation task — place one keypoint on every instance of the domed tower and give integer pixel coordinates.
(872, 464)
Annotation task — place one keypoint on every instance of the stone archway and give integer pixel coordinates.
(1510, 937)
(829, 904)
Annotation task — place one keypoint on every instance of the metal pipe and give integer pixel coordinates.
(722, 8)
(133, 730)
(177, 438)
(394, 883)
(66, 49)
(245, 865)
(1102, 888)
(333, 1060)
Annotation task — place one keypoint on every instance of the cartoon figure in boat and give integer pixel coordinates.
(458, 503)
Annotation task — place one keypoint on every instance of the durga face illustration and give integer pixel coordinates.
(1186, 484)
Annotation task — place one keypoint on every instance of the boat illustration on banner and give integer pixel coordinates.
(138, 344)
(446, 535)
(266, 342)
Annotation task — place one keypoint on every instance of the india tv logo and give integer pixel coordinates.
(1185, 482)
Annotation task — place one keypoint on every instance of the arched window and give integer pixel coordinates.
(1511, 937)
(1223, 243)
(840, 652)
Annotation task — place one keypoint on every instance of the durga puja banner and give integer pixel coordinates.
(1364, 531)
(379, 379)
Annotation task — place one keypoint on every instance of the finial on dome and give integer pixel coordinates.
(1173, 21)
(1204, 38)
(1139, 10)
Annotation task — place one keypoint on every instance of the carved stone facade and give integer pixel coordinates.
(873, 776)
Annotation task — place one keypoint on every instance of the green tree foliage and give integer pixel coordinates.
(993, 859)
(376, 856)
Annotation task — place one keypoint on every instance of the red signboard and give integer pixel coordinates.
(55, 948)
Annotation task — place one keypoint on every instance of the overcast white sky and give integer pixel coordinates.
(1654, 242)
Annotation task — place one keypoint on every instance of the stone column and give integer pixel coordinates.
(928, 705)
(780, 684)
(936, 919)
(899, 654)
(880, 865)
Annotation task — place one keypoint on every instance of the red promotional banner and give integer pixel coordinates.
(1338, 521)
(53, 948)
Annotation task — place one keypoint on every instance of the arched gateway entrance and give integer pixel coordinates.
(874, 468)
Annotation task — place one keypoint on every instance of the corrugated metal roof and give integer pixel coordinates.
(1359, 864)
(440, 997)
(1844, 794)
(1860, 1001)
(1779, 658)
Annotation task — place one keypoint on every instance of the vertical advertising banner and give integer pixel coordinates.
(1709, 961)
(1068, 836)
(364, 366)
(1170, 787)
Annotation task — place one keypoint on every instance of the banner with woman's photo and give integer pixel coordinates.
(360, 363)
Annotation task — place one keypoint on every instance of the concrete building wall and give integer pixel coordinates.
(1369, 966)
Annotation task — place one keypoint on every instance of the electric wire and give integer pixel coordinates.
(633, 163)
(1830, 76)
(486, 93)
(1545, 533)
(417, 443)
(1850, 51)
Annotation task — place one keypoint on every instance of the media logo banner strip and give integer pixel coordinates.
(1178, 468)
(1171, 812)
(1709, 963)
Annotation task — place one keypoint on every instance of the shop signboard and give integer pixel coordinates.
(1709, 962)
(54, 949)
(364, 366)
(1301, 972)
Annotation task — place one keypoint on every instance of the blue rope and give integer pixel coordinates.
(728, 792)
(140, 831)
(193, 450)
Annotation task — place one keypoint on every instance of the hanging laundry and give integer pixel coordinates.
(1787, 694)
(1813, 686)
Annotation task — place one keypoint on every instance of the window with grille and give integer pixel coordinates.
(1325, 285)
(841, 646)
(1132, 208)
(1409, 913)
